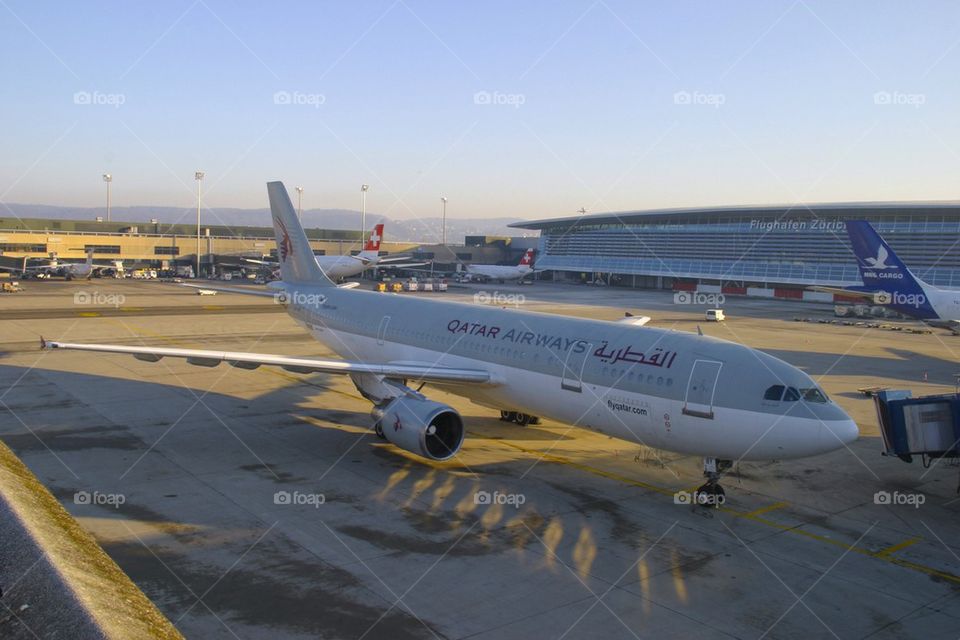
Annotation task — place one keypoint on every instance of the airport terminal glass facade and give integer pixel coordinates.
(798, 245)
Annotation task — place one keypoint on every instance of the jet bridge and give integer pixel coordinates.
(927, 426)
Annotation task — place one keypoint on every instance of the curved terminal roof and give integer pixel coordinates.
(845, 210)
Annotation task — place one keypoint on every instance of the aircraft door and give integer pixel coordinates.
(572, 376)
(382, 331)
(701, 387)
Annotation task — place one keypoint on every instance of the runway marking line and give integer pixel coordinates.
(767, 509)
(897, 547)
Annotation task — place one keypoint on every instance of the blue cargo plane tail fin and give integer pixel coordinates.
(883, 271)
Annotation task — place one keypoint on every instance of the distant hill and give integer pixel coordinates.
(424, 230)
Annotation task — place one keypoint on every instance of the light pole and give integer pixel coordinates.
(300, 204)
(363, 210)
(198, 176)
(443, 222)
(108, 179)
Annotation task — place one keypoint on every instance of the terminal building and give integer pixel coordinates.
(736, 248)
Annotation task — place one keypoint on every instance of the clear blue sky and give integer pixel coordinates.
(599, 125)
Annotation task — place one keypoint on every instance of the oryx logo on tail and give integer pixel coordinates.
(286, 246)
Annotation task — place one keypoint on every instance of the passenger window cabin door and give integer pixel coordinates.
(572, 377)
(382, 330)
(701, 388)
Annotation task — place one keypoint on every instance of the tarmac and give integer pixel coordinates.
(258, 504)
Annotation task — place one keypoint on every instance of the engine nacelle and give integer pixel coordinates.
(423, 427)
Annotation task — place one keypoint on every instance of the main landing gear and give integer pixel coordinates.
(711, 494)
(521, 419)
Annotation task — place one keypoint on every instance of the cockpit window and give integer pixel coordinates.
(814, 395)
(792, 395)
(774, 393)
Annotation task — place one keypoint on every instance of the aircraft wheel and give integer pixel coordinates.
(378, 429)
(523, 419)
(508, 416)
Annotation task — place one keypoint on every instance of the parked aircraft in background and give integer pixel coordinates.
(501, 272)
(887, 281)
(69, 270)
(339, 267)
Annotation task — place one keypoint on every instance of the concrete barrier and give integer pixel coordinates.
(817, 296)
(55, 579)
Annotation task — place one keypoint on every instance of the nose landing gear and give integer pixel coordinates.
(711, 494)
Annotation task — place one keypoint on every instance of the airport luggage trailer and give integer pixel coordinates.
(928, 426)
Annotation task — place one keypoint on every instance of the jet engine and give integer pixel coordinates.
(423, 427)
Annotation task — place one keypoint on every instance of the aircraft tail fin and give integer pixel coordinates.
(882, 270)
(373, 242)
(297, 262)
(527, 259)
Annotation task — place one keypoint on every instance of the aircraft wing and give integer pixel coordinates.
(403, 265)
(242, 360)
(273, 293)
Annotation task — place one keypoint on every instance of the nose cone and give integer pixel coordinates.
(835, 434)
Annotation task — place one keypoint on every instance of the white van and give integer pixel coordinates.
(715, 315)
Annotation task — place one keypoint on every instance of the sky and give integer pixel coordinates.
(520, 109)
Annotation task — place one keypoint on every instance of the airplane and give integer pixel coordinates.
(502, 273)
(69, 270)
(339, 267)
(887, 281)
(672, 390)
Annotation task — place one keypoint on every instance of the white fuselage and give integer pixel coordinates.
(499, 272)
(336, 267)
(642, 418)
